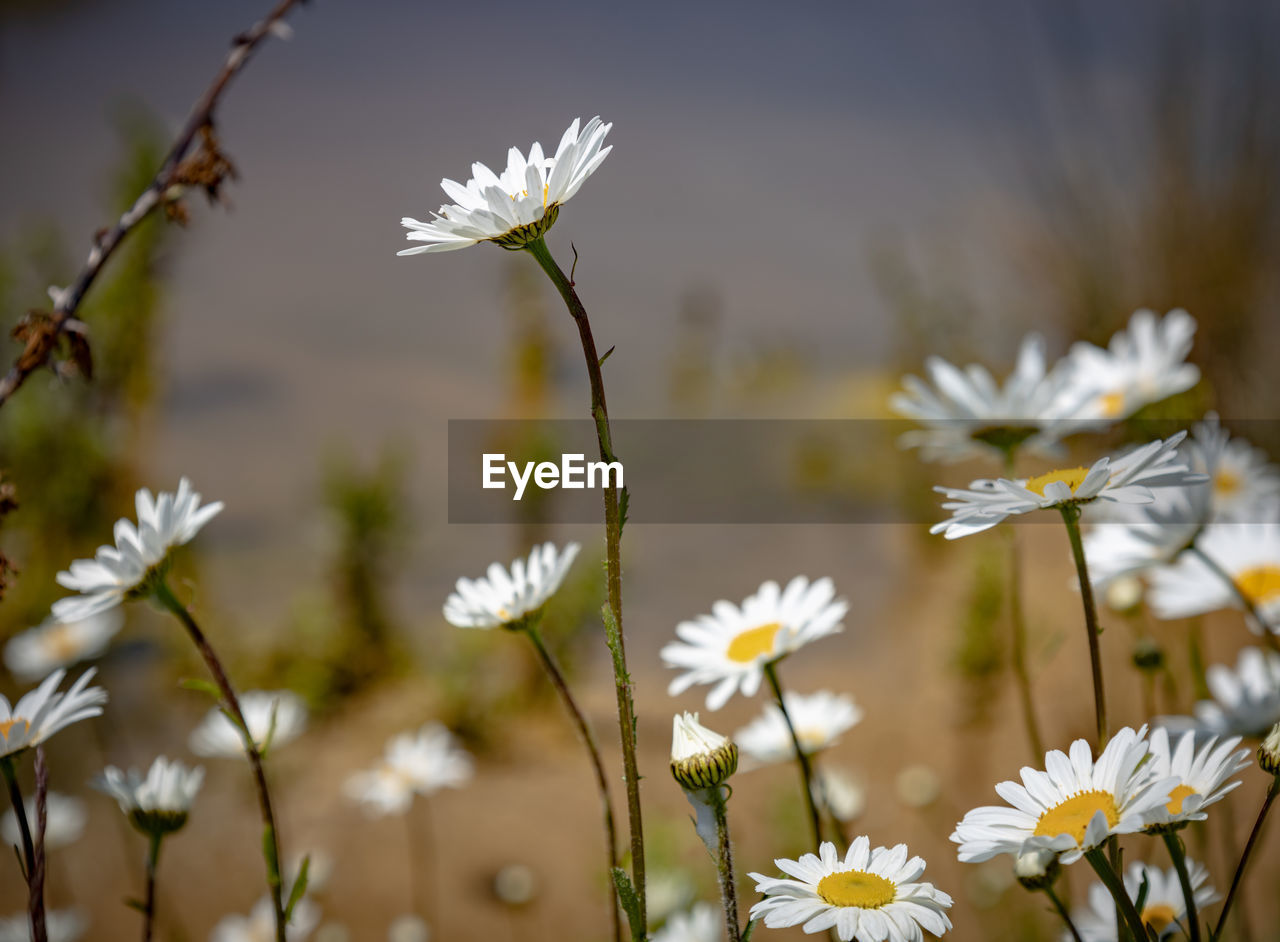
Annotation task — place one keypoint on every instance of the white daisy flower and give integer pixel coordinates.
(518, 206)
(1244, 486)
(731, 646)
(703, 923)
(870, 895)
(61, 925)
(1201, 773)
(42, 712)
(419, 763)
(667, 891)
(965, 412)
(64, 821)
(1248, 553)
(819, 719)
(1269, 752)
(157, 803)
(260, 924)
(1142, 364)
(844, 797)
(52, 644)
(126, 571)
(1246, 701)
(1126, 479)
(1071, 807)
(274, 718)
(1163, 909)
(504, 600)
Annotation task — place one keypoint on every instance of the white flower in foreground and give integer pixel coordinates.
(37, 651)
(157, 803)
(703, 923)
(1162, 910)
(1246, 701)
(61, 925)
(260, 924)
(274, 719)
(505, 599)
(731, 646)
(1249, 554)
(819, 719)
(419, 763)
(43, 711)
(126, 571)
(1071, 807)
(870, 895)
(966, 412)
(64, 821)
(1201, 773)
(518, 206)
(1142, 364)
(1127, 479)
(700, 758)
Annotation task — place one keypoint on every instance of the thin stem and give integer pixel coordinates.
(724, 865)
(1244, 857)
(1246, 603)
(1178, 854)
(1195, 657)
(1098, 860)
(613, 548)
(1071, 517)
(802, 759)
(1062, 911)
(35, 883)
(35, 907)
(593, 752)
(153, 862)
(1018, 622)
(270, 839)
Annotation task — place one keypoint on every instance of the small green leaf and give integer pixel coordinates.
(299, 887)
(630, 904)
(751, 927)
(200, 686)
(624, 507)
(137, 904)
(269, 855)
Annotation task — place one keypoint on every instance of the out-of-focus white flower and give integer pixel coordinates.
(869, 896)
(502, 599)
(155, 803)
(1162, 910)
(40, 713)
(37, 651)
(819, 720)
(1269, 752)
(515, 884)
(1126, 479)
(260, 924)
(126, 571)
(1071, 807)
(64, 821)
(730, 647)
(274, 719)
(966, 412)
(409, 928)
(1246, 701)
(61, 925)
(667, 891)
(918, 786)
(419, 763)
(518, 206)
(703, 923)
(844, 797)
(1201, 773)
(1142, 364)
(1247, 554)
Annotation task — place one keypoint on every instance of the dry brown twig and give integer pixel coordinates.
(205, 168)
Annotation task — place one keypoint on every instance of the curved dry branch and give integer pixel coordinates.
(183, 166)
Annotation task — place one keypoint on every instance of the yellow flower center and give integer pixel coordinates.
(1158, 916)
(1260, 584)
(1176, 797)
(6, 726)
(811, 738)
(1072, 477)
(857, 888)
(750, 644)
(1073, 815)
(1225, 483)
(1112, 404)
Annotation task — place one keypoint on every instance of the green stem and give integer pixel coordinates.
(1178, 854)
(1098, 860)
(149, 912)
(270, 841)
(1246, 603)
(724, 865)
(1071, 517)
(1244, 857)
(802, 758)
(1062, 911)
(35, 895)
(593, 752)
(613, 549)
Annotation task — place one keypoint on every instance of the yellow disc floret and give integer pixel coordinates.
(1072, 477)
(750, 644)
(857, 888)
(1073, 815)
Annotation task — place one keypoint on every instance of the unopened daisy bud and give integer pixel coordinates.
(700, 758)
(1148, 655)
(1269, 752)
(1037, 869)
(157, 803)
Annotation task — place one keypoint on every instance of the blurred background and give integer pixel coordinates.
(800, 206)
